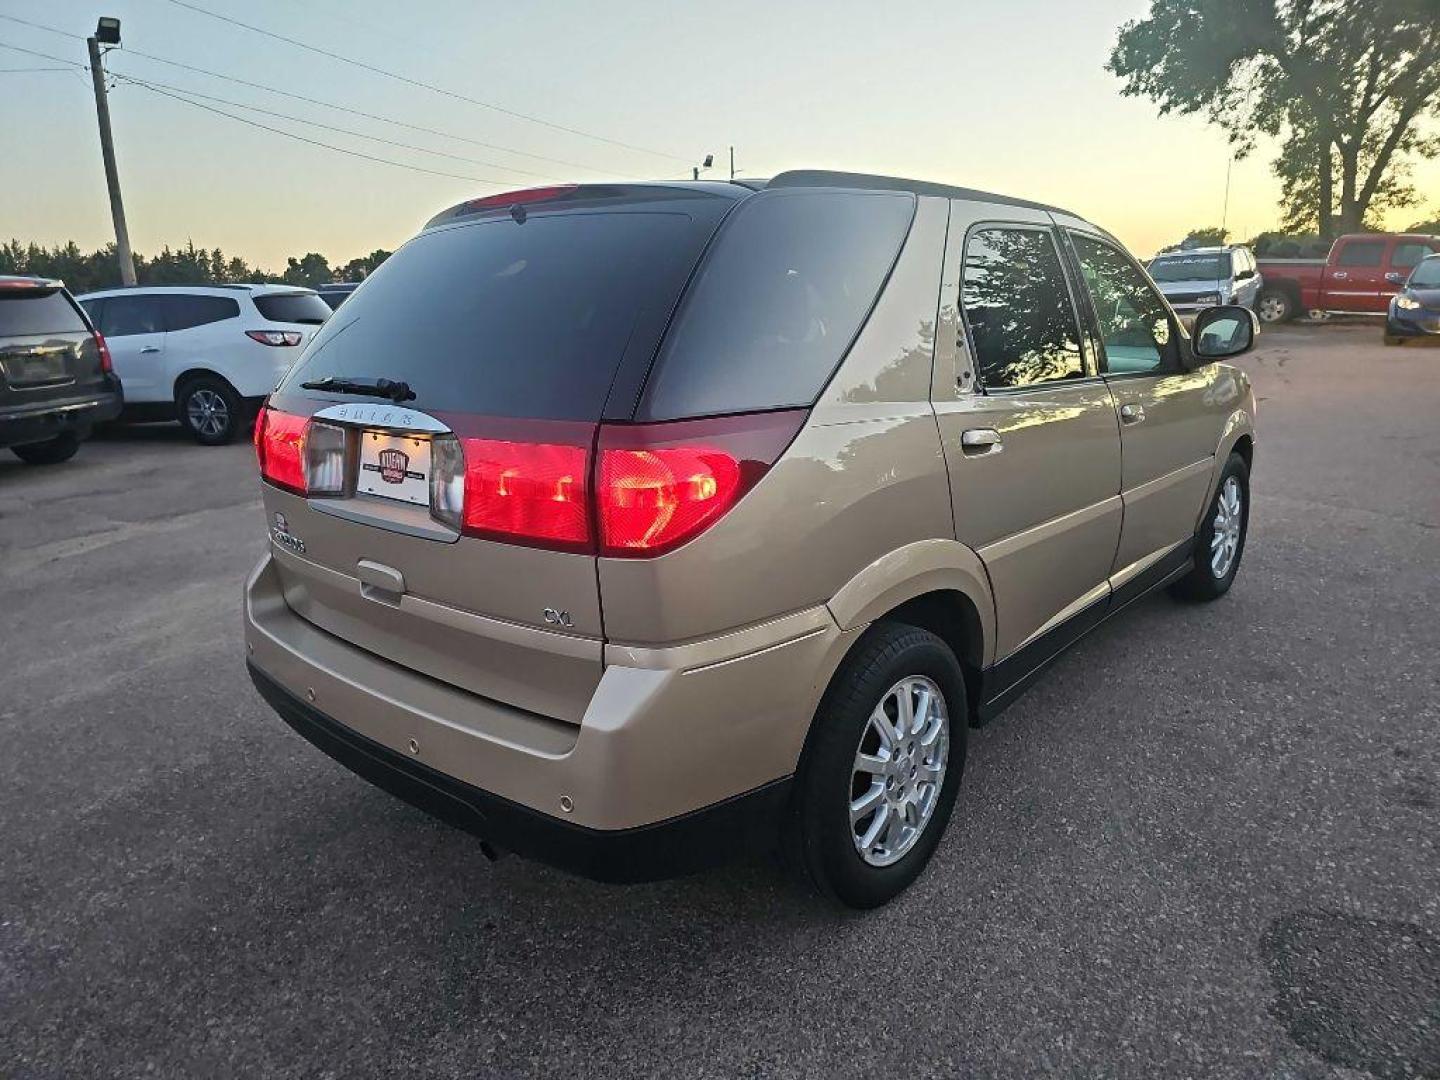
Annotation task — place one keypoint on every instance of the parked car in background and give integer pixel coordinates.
(55, 373)
(1203, 277)
(1415, 309)
(1360, 275)
(203, 355)
(338, 293)
(631, 526)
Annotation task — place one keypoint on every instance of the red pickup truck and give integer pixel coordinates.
(1361, 274)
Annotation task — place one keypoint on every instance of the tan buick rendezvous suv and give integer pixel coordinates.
(633, 526)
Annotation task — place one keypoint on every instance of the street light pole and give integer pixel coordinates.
(107, 150)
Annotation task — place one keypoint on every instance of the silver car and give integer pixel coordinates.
(1203, 277)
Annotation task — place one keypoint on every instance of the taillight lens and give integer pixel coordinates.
(107, 364)
(659, 485)
(533, 493)
(279, 448)
(275, 337)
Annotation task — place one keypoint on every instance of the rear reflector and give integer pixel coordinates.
(279, 447)
(533, 493)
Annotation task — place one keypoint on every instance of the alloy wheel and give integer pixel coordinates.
(207, 412)
(1225, 535)
(899, 770)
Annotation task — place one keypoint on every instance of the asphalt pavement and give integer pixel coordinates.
(1204, 845)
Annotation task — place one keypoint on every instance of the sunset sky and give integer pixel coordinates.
(1009, 97)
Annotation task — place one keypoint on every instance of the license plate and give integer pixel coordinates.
(395, 467)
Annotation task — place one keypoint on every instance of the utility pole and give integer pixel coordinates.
(1225, 212)
(732, 163)
(107, 148)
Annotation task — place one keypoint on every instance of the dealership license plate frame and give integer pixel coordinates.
(377, 472)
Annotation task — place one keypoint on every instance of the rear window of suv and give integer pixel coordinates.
(25, 312)
(293, 308)
(777, 302)
(527, 319)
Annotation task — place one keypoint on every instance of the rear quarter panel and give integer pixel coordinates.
(864, 477)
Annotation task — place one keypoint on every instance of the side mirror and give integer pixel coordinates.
(1244, 275)
(1224, 331)
(1394, 278)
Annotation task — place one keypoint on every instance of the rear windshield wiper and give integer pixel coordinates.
(386, 388)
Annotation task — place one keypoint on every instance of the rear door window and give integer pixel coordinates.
(1018, 308)
(1362, 253)
(124, 316)
(1409, 254)
(303, 308)
(28, 312)
(185, 312)
(525, 319)
(777, 302)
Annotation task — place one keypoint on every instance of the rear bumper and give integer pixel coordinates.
(40, 421)
(683, 754)
(681, 845)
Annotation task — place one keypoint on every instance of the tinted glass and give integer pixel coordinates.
(293, 308)
(127, 315)
(1362, 254)
(508, 319)
(37, 311)
(777, 302)
(1018, 309)
(1134, 323)
(1409, 254)
(1190, 268)
(185, 312)
(1426, 275)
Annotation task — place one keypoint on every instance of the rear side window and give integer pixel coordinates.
(1019, 309)
(293, 308)
(25, 312)
(525, 319)
(1368, 253)
(186, 312)
(1409, 254)
(124, 316)
(777, 302)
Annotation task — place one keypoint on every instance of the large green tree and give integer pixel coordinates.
(1351, 88)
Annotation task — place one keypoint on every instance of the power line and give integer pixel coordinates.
(187, 93)
(317, 142)
(43, 56)
(334, 107)
(424, 85)
(30, 71)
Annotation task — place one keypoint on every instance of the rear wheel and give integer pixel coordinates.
(1275, 306)
(1221, 539)
(210, 410)
(50, 452)
(881, 771)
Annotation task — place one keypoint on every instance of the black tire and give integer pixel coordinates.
(209, 408)
(819, 840)
(50, 452)
(1202, 583)
(1275, 306)
(1391, 339)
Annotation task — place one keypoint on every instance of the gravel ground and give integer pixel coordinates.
(1204, 845)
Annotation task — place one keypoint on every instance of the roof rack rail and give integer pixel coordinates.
(871, 182)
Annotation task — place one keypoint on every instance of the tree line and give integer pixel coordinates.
(83, 271)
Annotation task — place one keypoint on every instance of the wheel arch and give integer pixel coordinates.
(193, 372)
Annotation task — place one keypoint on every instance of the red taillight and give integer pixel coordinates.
(279, 448)
(527, 195)
(659, 485)
(107, 365)
(535, 493)
(275, 337)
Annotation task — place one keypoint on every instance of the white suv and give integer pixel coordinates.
(203, 355)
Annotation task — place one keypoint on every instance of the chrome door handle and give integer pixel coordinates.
(1341, 274)
(150, 349)
(1132, 414)
(977, 442)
